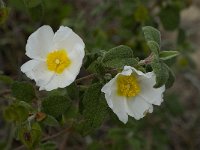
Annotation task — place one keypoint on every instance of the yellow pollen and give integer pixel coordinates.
(58, 61)
(127, 86)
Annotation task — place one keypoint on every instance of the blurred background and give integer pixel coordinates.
(104, 24)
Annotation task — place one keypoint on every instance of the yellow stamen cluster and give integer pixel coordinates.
(127, 86)
(58, 61)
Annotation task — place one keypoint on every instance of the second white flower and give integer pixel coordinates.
(131, 93)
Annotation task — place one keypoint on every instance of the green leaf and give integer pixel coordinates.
(55, 105)
(25, 105)
(96, 67)
(16, 112)
(5, 79)
(171, 79)
(30, 137)
(50, 121)
(161, 71)
(23, 91)
(72, 112)
(170, 17)
(73, 91)
(165, 55)
(9, 114)
(118, 57)
(152, 34)
(95, 109)
(154, 47)
(120, 63)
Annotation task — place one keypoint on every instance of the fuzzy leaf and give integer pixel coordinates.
(55, 105)
(30, 137)
(50, 121)
(118, 57)
(152, 34)
(154, 47)
(96, 67)
(171, 79)
(16, 112)
(161, 71)
(23, 91)
(120, 63)
(165, 55)
(73, 91)
(95, 109)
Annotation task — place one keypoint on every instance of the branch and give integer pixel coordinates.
(56, 135)
(147, 60)
(84, 78)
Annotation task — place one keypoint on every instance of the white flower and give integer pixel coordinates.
(56, 58)
(131, 93)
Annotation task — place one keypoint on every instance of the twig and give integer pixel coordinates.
(84, 78)
(64, 142)
(147, 60)
(56, 135)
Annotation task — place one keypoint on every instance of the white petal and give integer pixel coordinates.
(119, 107)
(66, 39)
(39, 43)
(150, 94)
(107, 90)
(59, 81)
(115, 102)
(37, 70)
(127, 71)
(27, 68)
(107, 87)
(118, 102)
(41, 74)
(137, 107)
(76, 58)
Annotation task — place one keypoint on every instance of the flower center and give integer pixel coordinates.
(127, 86)
(58, 61)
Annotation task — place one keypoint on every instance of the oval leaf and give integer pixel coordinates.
(118, 57)
(161, 71)
(152, 34)
(165, 55)
(154, 47)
